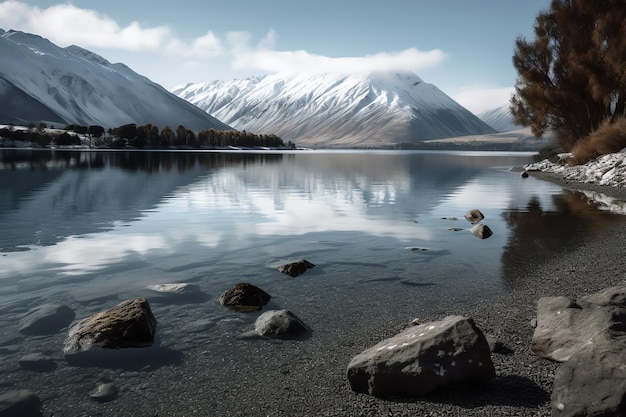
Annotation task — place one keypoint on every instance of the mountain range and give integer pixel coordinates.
(42, 82)
(337, 110)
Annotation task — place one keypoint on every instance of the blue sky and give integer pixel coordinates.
(463, 47)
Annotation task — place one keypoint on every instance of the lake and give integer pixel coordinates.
(385, 229)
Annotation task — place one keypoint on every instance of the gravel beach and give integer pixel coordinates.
(234, 377)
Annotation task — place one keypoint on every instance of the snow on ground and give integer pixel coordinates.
(605, 170)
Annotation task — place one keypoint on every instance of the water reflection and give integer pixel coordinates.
(539, 232)
(88, 213)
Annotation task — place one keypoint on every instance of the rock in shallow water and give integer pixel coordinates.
(128, 324)
(244, 297)
(474, 216)
(104, 392)
(46, 319)
(294, 269)
(19, 403)
(481, 231)
(37, 362)
(280, 324)
(423, 358)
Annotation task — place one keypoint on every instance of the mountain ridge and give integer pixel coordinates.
(375, 109)
(42, 82)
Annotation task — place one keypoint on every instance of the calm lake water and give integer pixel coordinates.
(92, 228)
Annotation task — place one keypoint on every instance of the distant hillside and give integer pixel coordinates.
(41, 82)
(336, 110)
(500, 118)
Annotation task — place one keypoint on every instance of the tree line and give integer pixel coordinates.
(142, 137)
(572, 76)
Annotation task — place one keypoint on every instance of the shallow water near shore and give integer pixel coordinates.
(385, 230)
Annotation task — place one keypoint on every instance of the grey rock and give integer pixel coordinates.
(37, 362)
(481, 231)
(474, 216)
(589, 335)
(245, 297)
(593, 381)
(19, 403)
(46, 319)
(128, 324)
(294, 269)
(564, 326)
(422, 359)
(281, 324)
(104, 392)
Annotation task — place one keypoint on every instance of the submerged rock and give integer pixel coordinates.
(422, 359)
(294, 269)
(245, 297)
(104, 392)
(46, 319)
(21, 402)
(128, 324)
(176, 293)
(281, 324)
(37, 362)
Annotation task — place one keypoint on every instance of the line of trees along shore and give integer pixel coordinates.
(572, 76)
(143, 137)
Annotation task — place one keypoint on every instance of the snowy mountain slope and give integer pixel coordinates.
(500, 118)
(41, 82)
(342, 110)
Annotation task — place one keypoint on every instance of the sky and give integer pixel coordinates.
(463, 47)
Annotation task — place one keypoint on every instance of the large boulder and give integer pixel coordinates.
(589, 335)
(293, 269)
(423, 358)
(46, 319)
(280, 324)
(593, 381)
(244, 297)
(129, 324)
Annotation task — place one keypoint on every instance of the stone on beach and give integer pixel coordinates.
(245, 297)
(46, 319)
(474, 216)
(294, 269)
(128, 324)
(422, 359)
(280, 324)
(589, 335)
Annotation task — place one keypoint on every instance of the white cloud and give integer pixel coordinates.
(302, 61)
(233, 52)
(480, 98)
(66, 24)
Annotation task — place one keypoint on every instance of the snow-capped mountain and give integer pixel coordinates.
(41, 82)
(336, 110)
(500, 118)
